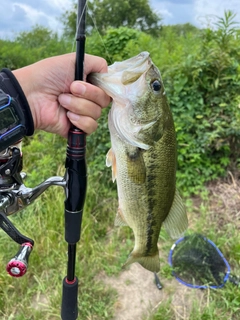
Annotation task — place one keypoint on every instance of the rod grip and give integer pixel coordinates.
(69, 310)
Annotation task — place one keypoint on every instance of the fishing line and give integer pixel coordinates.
(100, 36)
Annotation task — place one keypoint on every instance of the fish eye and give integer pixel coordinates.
(156, 85)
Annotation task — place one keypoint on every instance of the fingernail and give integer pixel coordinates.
(79, 88)
(73, 116)
(64, 99)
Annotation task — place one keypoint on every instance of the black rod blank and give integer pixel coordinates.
(76, 184)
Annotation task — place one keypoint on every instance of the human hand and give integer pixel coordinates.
(55, 99)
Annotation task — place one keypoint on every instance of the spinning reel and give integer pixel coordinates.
(15, 196)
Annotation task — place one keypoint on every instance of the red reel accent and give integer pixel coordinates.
(16, 268)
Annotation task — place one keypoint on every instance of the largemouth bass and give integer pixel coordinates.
(143, 155)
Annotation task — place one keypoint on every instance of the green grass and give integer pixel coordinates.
(102, 249)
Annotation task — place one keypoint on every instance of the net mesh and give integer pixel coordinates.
(197, 262)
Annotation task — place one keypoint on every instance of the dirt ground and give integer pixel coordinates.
(138, 296)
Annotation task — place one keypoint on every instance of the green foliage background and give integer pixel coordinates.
(201, 73)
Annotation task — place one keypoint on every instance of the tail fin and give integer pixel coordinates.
(150, 263)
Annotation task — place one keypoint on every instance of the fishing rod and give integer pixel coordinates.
(15, 196)
(76, 183)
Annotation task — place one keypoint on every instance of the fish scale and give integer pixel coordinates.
(143, 156)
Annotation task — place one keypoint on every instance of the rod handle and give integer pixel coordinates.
(69, 309)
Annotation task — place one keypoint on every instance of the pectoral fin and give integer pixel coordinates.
(111, 162)
(176, 222)
(135, 165)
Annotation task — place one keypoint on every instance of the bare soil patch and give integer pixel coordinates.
(139, 298)
(225, 200)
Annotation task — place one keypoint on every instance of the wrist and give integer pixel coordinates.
(10, 85)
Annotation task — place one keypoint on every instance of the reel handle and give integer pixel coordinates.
(17, 266)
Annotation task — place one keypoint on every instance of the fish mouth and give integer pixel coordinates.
(130, 64)
(131, 69)
(121, 74)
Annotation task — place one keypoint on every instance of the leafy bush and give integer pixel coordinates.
(29, 47)
(113, 45)
(203, 93)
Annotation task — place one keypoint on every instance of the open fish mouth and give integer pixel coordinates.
(132, 69)
(132, 64)
(121, 74)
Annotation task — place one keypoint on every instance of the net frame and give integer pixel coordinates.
(195, 286)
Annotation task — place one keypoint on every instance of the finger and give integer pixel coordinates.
(86, 124)
(94, 64)
(80, 106)
(90, 92)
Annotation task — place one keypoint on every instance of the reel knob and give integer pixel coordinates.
(17, 266)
